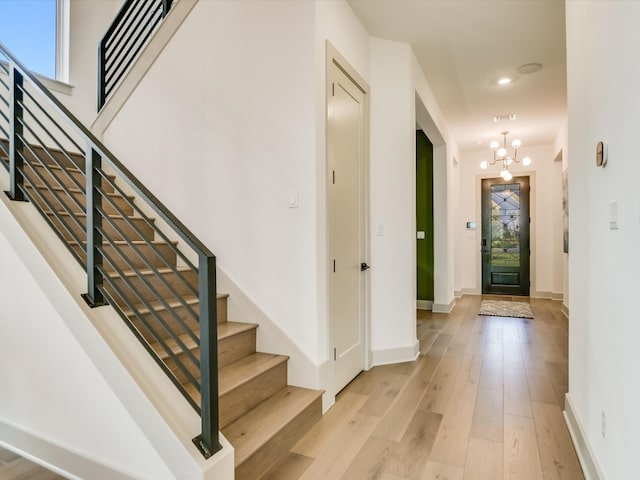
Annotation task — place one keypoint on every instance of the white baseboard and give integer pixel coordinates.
(395, 355)
(444, 307)
(587, 460)
(471, 291)
(545, 294)
(53, 457)
(424, 304)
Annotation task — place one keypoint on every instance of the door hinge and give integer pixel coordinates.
(334, 265)
(333, 176)
(333, 89)
(335, 356)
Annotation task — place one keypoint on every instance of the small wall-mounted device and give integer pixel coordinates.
(602, 154)
(471, 225)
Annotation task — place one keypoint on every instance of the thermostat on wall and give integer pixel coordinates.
(602, 154)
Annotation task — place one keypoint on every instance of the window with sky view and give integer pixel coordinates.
(28, 29)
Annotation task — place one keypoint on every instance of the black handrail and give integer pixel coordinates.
(107, 210)
(125, 38)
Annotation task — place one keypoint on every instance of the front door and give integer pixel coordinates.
(505, 236)
(346, 156)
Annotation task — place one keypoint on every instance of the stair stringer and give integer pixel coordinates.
(271, 338)
(76, 378)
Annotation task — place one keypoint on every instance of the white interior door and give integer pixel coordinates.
(346, 156)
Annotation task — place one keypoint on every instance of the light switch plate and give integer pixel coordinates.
(613, 215)
(293, 200)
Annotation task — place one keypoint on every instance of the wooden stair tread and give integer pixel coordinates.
(147, 271)
(241, 371)
(83, 214)
(157, 306)
(229, 329)
(57, 167)
(125, 242)
(225, 330)
(58, 188)
(250, 432)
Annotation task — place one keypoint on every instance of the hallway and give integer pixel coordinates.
(483, 401)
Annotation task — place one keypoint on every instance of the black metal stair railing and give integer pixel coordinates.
(165, 296)
(126, 37)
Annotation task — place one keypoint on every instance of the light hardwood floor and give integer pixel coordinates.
(14, 467)
(483, 401)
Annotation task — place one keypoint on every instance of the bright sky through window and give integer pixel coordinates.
(28, 29)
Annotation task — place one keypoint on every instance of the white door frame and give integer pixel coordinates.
(333, 57)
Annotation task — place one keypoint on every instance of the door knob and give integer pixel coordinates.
(364, 266)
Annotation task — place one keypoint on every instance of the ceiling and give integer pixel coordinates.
(465, 46)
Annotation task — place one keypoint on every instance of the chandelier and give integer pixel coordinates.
(500, 155)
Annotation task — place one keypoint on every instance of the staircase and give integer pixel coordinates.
(155, 288)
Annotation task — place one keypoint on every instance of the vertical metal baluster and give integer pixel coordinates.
(93, 160)
(102, 73)
(16, 146)
(208, 442)
(166, 6)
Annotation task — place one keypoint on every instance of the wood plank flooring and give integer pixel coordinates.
(483, 401)
(14, 467)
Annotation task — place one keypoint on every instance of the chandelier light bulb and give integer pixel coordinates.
(501, 158)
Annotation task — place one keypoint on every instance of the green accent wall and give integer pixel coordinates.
(424, 214)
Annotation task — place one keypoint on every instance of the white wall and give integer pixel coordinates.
(604, 105)
(393, 204)
(430, 118)
(224, 139)
(546, 218)
(88, 22)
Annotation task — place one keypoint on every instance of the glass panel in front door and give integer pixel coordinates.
(505, 229)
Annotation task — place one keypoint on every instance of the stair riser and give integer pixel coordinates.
(229, 350)
(142, 230)
(77, 160)
(65, 203)
(162, 323)
(182, 313)
(56, 177)
(133, 257)
(236, 347)
(161, 285)
(244, 398)
(256, 465)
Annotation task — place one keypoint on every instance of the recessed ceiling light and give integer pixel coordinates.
(504, 118)
(504, 81)
(529, 68)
